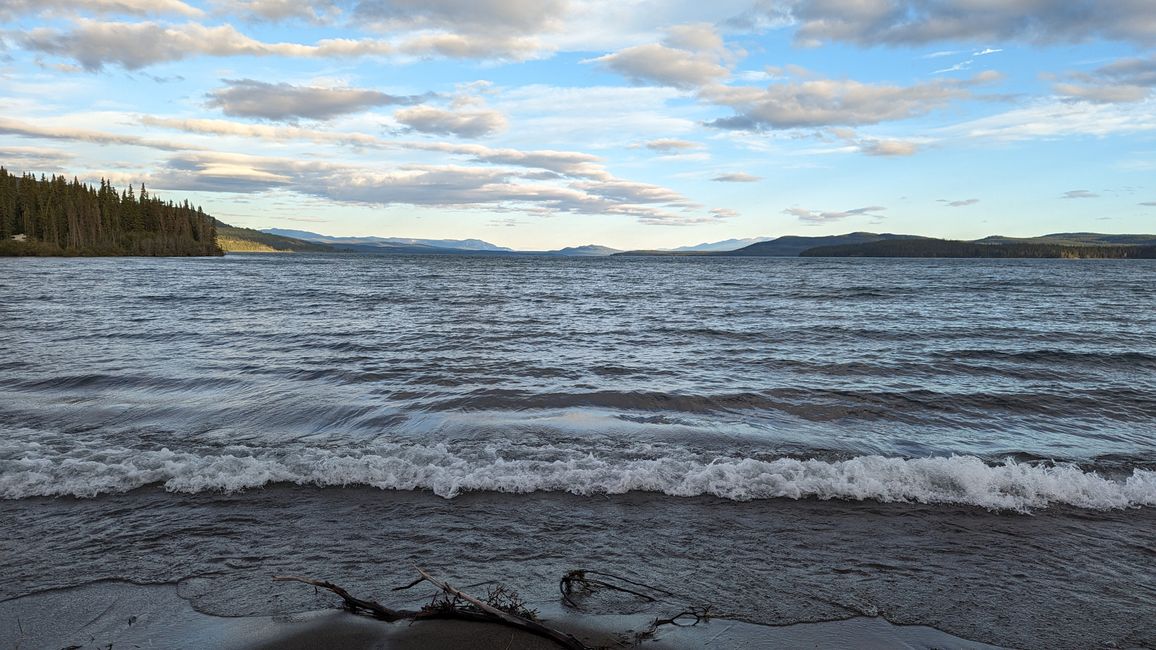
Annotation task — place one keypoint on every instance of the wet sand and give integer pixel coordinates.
(122, 615)
(1061, 578)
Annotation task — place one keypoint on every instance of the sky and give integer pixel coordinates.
(538, 124)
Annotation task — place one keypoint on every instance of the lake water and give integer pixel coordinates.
(969, 444)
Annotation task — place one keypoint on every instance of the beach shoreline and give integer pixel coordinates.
(1005, 579)
(121, 614)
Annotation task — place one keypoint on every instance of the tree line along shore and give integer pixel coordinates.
(60, 217)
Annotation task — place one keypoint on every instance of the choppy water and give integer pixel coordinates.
(788, 439)
(955, 381)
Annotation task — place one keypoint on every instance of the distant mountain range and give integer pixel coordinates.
(856, 244)
(589, 250)
(867, 244)
(1067, 245)
(718, 246)
(793, 246)
(413, 245)
(389, 242)
(786, 246)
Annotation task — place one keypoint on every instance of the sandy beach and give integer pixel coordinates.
(833, 569)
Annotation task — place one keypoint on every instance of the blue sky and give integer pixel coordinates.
(546, 123)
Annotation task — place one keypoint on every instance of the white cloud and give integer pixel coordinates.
(961, 203)
(958, 67)
(888, 147)
(471, 17)
(1123, 81)
(11, 8)
(831, 102)
(663, 65)
(474, 46)
(918, 22)
(564, 163)
(50, 131)
(449, 186)
(464, 124)
(1104, 93)
(33, 158)
(1059, 119)
(876, 146)
(534, 182)
(689, 57)
(314, 11)
(737, 177)
(263, 131)
(94, 44)
(819, 217)
(1080, 194)
(282, 101)
(669, 145)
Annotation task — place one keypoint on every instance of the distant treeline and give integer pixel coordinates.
(945, 248)
(55, 216)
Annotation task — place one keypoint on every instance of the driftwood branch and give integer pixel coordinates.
(563, 639)
(681, 619)
(478, 610)
(373, 608)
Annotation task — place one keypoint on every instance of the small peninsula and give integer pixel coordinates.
(60, 217)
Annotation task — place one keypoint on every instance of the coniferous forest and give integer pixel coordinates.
(56, 216)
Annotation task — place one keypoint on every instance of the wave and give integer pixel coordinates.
(960, 480)
(820, 404)
(1130, 359)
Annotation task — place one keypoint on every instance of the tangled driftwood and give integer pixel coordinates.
(503, 606)
(476, 610)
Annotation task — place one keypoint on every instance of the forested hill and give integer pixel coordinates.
(56, 216)
(246, 240)
(1013, 249)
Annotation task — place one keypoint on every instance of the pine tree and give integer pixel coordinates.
(62, 216)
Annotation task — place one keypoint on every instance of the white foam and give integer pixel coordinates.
(34, 470)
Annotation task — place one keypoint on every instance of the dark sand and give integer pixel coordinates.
(123, 615)
(1061, 578)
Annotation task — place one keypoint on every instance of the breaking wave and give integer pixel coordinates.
(962, 480)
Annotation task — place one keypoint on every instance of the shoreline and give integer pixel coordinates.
(971, 573)
(98, 614)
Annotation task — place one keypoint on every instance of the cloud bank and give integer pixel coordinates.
(285, 102)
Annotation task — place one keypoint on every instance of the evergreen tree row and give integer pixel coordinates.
(55, 216)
